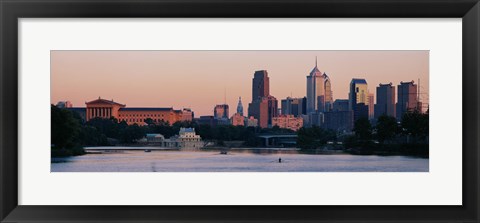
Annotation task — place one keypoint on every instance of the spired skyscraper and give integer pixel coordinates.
(319, 91)
(263, 106)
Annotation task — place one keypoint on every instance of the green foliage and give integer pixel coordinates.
(131, 133)
(65, 132)
(415, 124)
(90, 136)
(65, 128)
(108, 127)
(363, 129)
(387, 128)
(314, 137)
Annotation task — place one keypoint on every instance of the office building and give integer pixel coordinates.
(406, 98)
(293, 106)
(338, 121)
(319, 91)
(221, 111)
(358, 98)
(263, 106)
(340, 105)
(385, 100)
(371, 105)
(288, 122)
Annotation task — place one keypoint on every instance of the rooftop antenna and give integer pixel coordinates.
(225, 96)
(315, 61)
(418, 92)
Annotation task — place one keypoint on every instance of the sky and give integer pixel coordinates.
(201, 79)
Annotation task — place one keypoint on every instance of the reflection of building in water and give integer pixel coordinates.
(102, 108)
(186, 138)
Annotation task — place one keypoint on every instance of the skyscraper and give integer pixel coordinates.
(385, 100)
(319, 91)
(240, 106)
(340, 105)
(407, 98)
(260, 84)
(263, 106)
(371, 104)
(292, 106)
(221, 111)
(358, 98)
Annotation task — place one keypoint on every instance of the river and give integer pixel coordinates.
(265, 160)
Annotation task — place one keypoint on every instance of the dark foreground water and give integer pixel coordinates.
(235, 161)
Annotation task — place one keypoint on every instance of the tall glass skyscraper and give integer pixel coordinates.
(358, 98)
(319, 91)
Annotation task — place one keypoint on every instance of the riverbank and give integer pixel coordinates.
(390, 151)
(76, 151)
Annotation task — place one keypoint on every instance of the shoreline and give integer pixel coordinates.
(263, 150)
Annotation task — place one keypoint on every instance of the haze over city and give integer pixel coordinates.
(201, 79)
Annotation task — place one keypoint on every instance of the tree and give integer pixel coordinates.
(386, 128)
(65, 128)
(131, 133)
(363, 129)
(149, 121)
(314, 137)
(415, 124)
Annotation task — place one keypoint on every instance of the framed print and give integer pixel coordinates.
(321, 111)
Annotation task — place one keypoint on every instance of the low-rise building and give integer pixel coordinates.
(155, 139)
(251, 122)
(102, 108)
(237, 120)
(288, 122)
(187, 138)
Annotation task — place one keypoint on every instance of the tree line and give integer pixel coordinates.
(387, 136)
(70, 133)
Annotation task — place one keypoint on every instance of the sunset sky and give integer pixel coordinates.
(198, 79)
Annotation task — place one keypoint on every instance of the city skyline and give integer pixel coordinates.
(199, 79)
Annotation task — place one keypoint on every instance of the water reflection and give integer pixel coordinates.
(235, 160)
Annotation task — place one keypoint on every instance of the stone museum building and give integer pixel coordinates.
(102, 108)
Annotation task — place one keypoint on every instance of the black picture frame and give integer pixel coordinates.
(12, 10)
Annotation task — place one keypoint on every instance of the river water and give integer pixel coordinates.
(235, 161)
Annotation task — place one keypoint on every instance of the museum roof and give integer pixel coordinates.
(145, 109)
(101, 100)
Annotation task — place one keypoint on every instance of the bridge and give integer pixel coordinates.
(280, 139)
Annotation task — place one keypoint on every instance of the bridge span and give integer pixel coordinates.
(280, 139)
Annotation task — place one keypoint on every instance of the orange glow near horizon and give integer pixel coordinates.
(199, 79)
